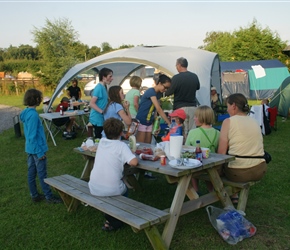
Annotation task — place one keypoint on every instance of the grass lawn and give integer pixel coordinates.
(25, 225)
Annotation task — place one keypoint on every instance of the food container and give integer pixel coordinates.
(205, 152)
(148, 157)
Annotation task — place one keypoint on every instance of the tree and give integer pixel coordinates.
(246, 44)
(106, 47)
(93, 52)
(126, 46)
(59, 47)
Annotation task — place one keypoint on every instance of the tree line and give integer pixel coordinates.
(58, 49)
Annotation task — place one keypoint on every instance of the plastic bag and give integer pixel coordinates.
(230, 224)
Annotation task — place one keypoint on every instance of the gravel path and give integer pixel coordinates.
(6, 116)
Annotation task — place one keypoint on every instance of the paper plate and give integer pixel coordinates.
(191, 163)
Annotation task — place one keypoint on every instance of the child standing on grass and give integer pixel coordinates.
(107, 174)
(35, 147)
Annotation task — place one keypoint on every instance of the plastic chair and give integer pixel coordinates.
(221, 118)
(273, 112)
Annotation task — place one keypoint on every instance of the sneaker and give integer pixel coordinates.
(38, 198)
(149, 176)
(54, 200)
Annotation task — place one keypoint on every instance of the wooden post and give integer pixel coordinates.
(16, 87)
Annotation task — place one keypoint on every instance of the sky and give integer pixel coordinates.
(150, 23)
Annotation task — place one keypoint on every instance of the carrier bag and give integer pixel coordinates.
(230, 224)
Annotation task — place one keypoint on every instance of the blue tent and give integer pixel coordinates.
(243, 77)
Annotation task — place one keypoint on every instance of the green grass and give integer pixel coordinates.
(25, 225)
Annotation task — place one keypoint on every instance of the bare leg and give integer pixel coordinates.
(194, 183)
(140, 137)
(148, 137)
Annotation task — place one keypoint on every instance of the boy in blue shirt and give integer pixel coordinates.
(36, 147)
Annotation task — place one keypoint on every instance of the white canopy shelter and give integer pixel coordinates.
(125, 61)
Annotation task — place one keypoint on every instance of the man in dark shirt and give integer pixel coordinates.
(184, 86)
(74, 92)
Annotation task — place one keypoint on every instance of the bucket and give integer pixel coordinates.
(17, 129)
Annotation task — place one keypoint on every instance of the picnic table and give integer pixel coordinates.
(182, 177)
(49, 117)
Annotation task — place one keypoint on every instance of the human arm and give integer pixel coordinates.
(224, 140)
(94, 106)
(68, 93)
(80, 94)
(133, 162)
(159, 109)
(32, 136)
(136, 102)
(125, 113)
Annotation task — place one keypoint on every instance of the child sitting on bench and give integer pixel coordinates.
(106, 176)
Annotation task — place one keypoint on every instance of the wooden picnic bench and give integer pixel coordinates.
(139, 216)
(242, 187)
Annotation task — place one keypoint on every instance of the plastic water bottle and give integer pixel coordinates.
(71, 106)
(61, 110)
(173, 124)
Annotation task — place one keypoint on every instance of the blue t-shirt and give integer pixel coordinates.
(147, 109)
(101, 93)
(112, 111)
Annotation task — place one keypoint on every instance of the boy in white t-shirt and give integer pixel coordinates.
(106, 176)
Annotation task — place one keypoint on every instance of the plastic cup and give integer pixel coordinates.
(205, 152)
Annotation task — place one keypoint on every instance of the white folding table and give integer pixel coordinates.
(49, 117)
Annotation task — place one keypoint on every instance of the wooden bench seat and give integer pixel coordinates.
(136, 214)
(243, 188)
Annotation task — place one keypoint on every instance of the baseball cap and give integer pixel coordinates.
(213, 88)
(179, 113)
(46, 99)
(64, 99)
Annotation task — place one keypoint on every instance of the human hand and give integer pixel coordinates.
(126, 104)
(157, 131)
(42, 158)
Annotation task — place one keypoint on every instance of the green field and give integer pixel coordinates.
(25, 225)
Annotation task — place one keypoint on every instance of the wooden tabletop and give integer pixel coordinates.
(155, 166)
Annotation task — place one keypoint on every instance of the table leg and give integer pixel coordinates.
(88, 168)
(84, 124)
(219, 187)
(175, 209)
(48, 127)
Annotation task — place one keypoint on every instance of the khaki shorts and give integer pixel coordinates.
(255, 173)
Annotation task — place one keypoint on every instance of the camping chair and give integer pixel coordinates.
(273, 112)
(57, 125)
(220, 119)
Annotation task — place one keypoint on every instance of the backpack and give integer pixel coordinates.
(212, 145)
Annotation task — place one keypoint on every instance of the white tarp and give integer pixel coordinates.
(123, 62)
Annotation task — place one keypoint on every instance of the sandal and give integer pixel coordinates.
(107, 227)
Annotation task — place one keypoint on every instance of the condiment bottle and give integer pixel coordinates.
(61, 110)
(198, 151)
